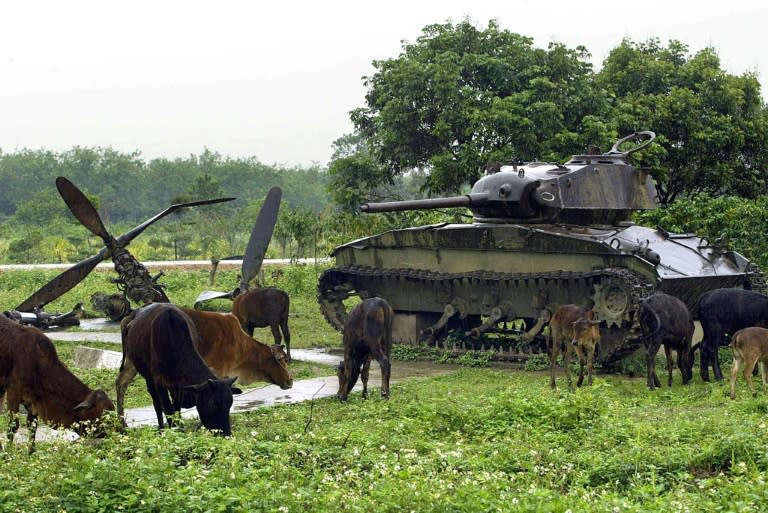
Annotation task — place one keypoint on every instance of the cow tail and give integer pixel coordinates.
(656, 330)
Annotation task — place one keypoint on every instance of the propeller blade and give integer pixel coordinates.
(123, 240)
(62, 283)
(82, 208)
(208, 295)
(260, 236)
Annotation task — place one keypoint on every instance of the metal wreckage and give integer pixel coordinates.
(544, 234)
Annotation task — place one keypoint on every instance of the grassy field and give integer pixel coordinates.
(480, 439)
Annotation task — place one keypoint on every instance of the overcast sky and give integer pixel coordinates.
(276, 80)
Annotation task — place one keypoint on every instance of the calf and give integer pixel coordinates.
(32, 374)
(750, 346)
(159, 341)
(573, 328)
(260, 307)
(664, 319)
(367, 335)
(723, 312)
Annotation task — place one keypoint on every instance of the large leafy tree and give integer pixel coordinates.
(712, 125)
(462, 96)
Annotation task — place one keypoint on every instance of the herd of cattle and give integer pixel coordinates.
(192, 358)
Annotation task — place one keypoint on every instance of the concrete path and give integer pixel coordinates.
(270, 395)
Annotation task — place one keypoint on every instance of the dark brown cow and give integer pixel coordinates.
(664, 319)
(367, 335)
(159, 341)
(573, 328)
(32, 374)
(228, 351)
(261, 307)
(750, 345)
(723, 312)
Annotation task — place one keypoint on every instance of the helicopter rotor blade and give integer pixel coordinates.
(62, 283)
(260, 236)
(123, 240)
(82, 208)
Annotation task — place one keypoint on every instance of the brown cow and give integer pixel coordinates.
(32, 374)
(228, 351)
(261, 307)
(367, 335)
(750, 345)
(159, 341)
(573, 328)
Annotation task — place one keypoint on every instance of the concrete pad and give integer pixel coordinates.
(91, 358)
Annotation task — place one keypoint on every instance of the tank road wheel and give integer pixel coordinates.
(612, 300)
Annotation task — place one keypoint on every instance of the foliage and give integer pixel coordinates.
(463, 96)
(712, 126)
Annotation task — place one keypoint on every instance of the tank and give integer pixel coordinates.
(543, 234)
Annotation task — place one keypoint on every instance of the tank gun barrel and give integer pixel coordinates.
(467, 200)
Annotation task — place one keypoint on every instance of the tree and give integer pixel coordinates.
(462, 96)
(712, 126)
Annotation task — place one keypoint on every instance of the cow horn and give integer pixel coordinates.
(83, 405)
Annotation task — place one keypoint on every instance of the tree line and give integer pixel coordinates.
(459, 98)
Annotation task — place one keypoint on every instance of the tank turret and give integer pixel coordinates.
(588, 189)
(543, 235)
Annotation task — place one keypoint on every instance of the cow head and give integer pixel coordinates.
(213, 399)
(585, 330)
(88, 413)
(347, 379)
(277, 369)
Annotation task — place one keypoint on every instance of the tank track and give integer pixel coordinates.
(618, 293)
(756, 278)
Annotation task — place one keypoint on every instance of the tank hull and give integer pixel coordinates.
(471, 278)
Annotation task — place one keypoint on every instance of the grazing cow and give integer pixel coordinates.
(229, 351)
(664, 319)
(32, 374)
(750, 346)
(367, 335)
(261, 307)
(724, 312)
(159, 341)
(573, 328)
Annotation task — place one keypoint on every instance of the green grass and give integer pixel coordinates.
(475, 440)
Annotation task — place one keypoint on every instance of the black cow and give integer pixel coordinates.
(664, 319)
(160, 342)
(722, 313)
(367, 335)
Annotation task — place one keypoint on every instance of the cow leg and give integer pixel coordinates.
(14, 400)
(567, 364)
(718, 374)
(364, 376)
(124, 378)
(590, 363)
(580, 355)
(670, 366)
(287, 336)
(763, 368)
(749, 366)
(156, 403)
(554, 349)
(276, 333)
(651, 380)
(386, 368)
(31, 430)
